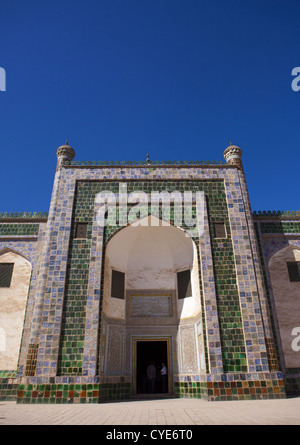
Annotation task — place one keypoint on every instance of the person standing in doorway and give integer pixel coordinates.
(164, 377)
(151, 374)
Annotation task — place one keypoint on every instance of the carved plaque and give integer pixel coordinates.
(114, 356)
(189, 354)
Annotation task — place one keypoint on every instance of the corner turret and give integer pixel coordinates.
(233, 156)
(64, 153)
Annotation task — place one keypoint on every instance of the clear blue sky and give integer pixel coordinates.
(176, 78)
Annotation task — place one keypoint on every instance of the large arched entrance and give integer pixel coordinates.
(151, 306)
(15, 272)
(286, 291)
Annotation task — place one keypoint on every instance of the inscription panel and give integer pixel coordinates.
(151, 305)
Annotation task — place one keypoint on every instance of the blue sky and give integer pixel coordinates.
(176, 78)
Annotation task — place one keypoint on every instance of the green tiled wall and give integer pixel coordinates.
(8, 386)
(231, 328)
(72, 393)
(73, 319)
(280, 227)
(237, 390)
(18, 229)
(72, 334)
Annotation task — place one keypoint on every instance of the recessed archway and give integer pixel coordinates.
(286, 294)
(13, 298)
(150, 257)
(146, 259)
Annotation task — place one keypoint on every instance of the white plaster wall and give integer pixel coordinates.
(155, 254)
(287, 301)
(112, 307)
(12, 310)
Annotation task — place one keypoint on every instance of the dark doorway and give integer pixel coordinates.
(147, 352)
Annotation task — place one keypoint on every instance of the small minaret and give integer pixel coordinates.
(233, 156)
(64, 153)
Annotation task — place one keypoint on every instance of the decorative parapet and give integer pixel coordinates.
(44, 215)
(23, 215)
(141, 163)
(278, 213)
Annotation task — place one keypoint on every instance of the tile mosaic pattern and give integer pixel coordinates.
(243, 239)
(267, 386)
(50, 287)
(209, 295)
(24, 216)
(18, 229)
(141, 163)
(72, 392)
(30, 320)
(281, 227)
(229, 314)
(8, 385)
(31, 359)
(23, 247)
(20, 237)
(74, 310)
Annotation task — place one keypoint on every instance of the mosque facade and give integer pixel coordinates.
(140, 262)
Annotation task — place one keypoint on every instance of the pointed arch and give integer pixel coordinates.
(285, 252)
(162, 220)
(286, 298)
(16, 252)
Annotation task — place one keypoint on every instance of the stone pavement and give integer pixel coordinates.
(156, 412)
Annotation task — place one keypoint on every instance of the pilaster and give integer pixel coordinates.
(93, 309)
(209, 289)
